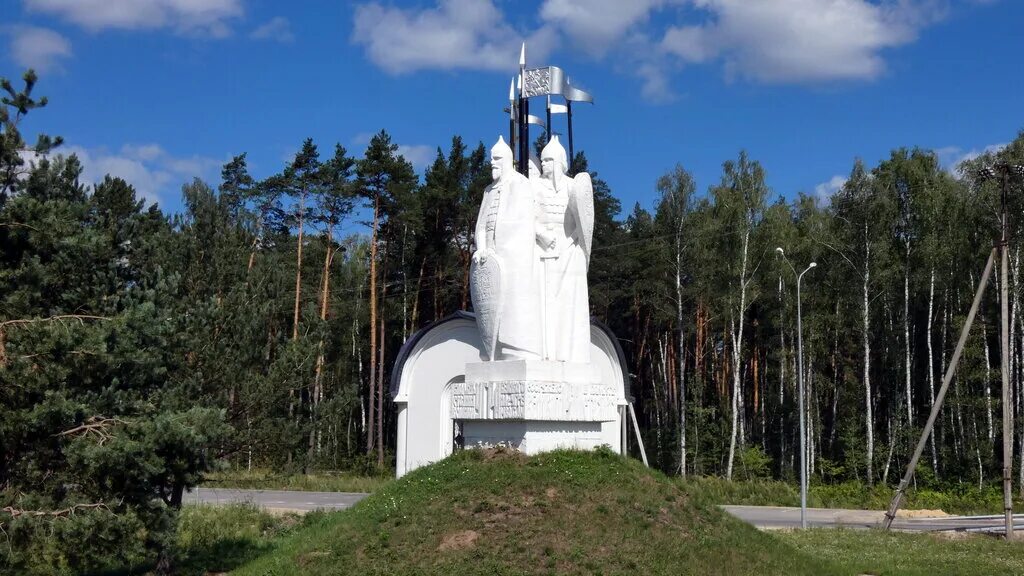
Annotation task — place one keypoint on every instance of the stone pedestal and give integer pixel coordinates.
(533, 405)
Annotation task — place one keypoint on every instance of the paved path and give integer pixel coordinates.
(775, 517)
(283, 500)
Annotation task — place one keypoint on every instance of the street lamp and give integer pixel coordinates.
(800, 386)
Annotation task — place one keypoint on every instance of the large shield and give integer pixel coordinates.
(582, 205)
(485, 287)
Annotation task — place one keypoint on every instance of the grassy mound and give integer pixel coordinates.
(498, 512)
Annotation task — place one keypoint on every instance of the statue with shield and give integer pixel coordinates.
(504, 272)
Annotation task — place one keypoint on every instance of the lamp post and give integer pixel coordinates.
(800, 386)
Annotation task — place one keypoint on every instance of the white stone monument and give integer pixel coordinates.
(529, 369)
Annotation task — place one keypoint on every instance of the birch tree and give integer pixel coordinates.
(739, 202)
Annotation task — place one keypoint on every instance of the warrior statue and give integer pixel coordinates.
(564, 230)
(504, 274)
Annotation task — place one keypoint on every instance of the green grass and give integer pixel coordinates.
(890, 553)
(959, 499)
(712, 491)
(260, 479)
(562, 512)
(213, 539)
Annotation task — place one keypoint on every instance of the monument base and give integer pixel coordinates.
(534, 405)
(532, 437)
(432, 365)
(533, 390)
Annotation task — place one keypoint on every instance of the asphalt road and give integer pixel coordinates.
(766, 517)
(283, 500)
(777, 517)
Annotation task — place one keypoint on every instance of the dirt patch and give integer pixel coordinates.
(304, 559)
(502, 453)
(458, 540)
(920, 513)
(551, 493)
(952, 535)
(285, 511)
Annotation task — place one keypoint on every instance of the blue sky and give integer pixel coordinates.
(159, 91)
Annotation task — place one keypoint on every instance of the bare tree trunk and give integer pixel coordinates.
(811, 408)
(372, 421)
(988, 382)
(931, 367)
(1014, 363)
(892, 447)
(405, 287)
(416, 300)
(977, 454)
(380, 398)
(959, 416)
(869, 421)
(835, 384)
(325, 282)
(682, 353)
(941, 422)
(382, 321)
(298, 268)
(658, 406)
(906, 340)
(465, 281)
(782, 381)
(298, 296)
(737, 351)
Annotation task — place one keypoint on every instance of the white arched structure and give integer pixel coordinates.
(434, 360)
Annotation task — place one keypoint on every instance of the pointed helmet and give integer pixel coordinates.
(556, 152)
(501, 149)
(502, 161)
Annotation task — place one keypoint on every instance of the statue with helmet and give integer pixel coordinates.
(564, 230)
(504, 272)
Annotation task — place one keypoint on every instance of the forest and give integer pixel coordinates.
(258, 327)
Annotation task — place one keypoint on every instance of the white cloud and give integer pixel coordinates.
(772, 41)
(278, 29)
(951, 157)
(801, 40)
(656, 87)
(154, 173)
(597, 25)
(39, 48)
(203, 17)
(419, 155)
(457, 34)
(826, 190)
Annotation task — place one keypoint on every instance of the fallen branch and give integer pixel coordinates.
(26, 321)
(18, 225)
(70, 511)
(96, 426)
(58, 318)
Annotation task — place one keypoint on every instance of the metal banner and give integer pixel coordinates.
(551, 80)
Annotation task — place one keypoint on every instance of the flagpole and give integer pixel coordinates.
(512, 115)
(568, 114)
(548, 126)
(524, 111)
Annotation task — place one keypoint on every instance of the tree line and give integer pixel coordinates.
(259, 326)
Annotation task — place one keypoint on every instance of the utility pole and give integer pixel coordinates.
(1004, 245)
(1002, 172)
